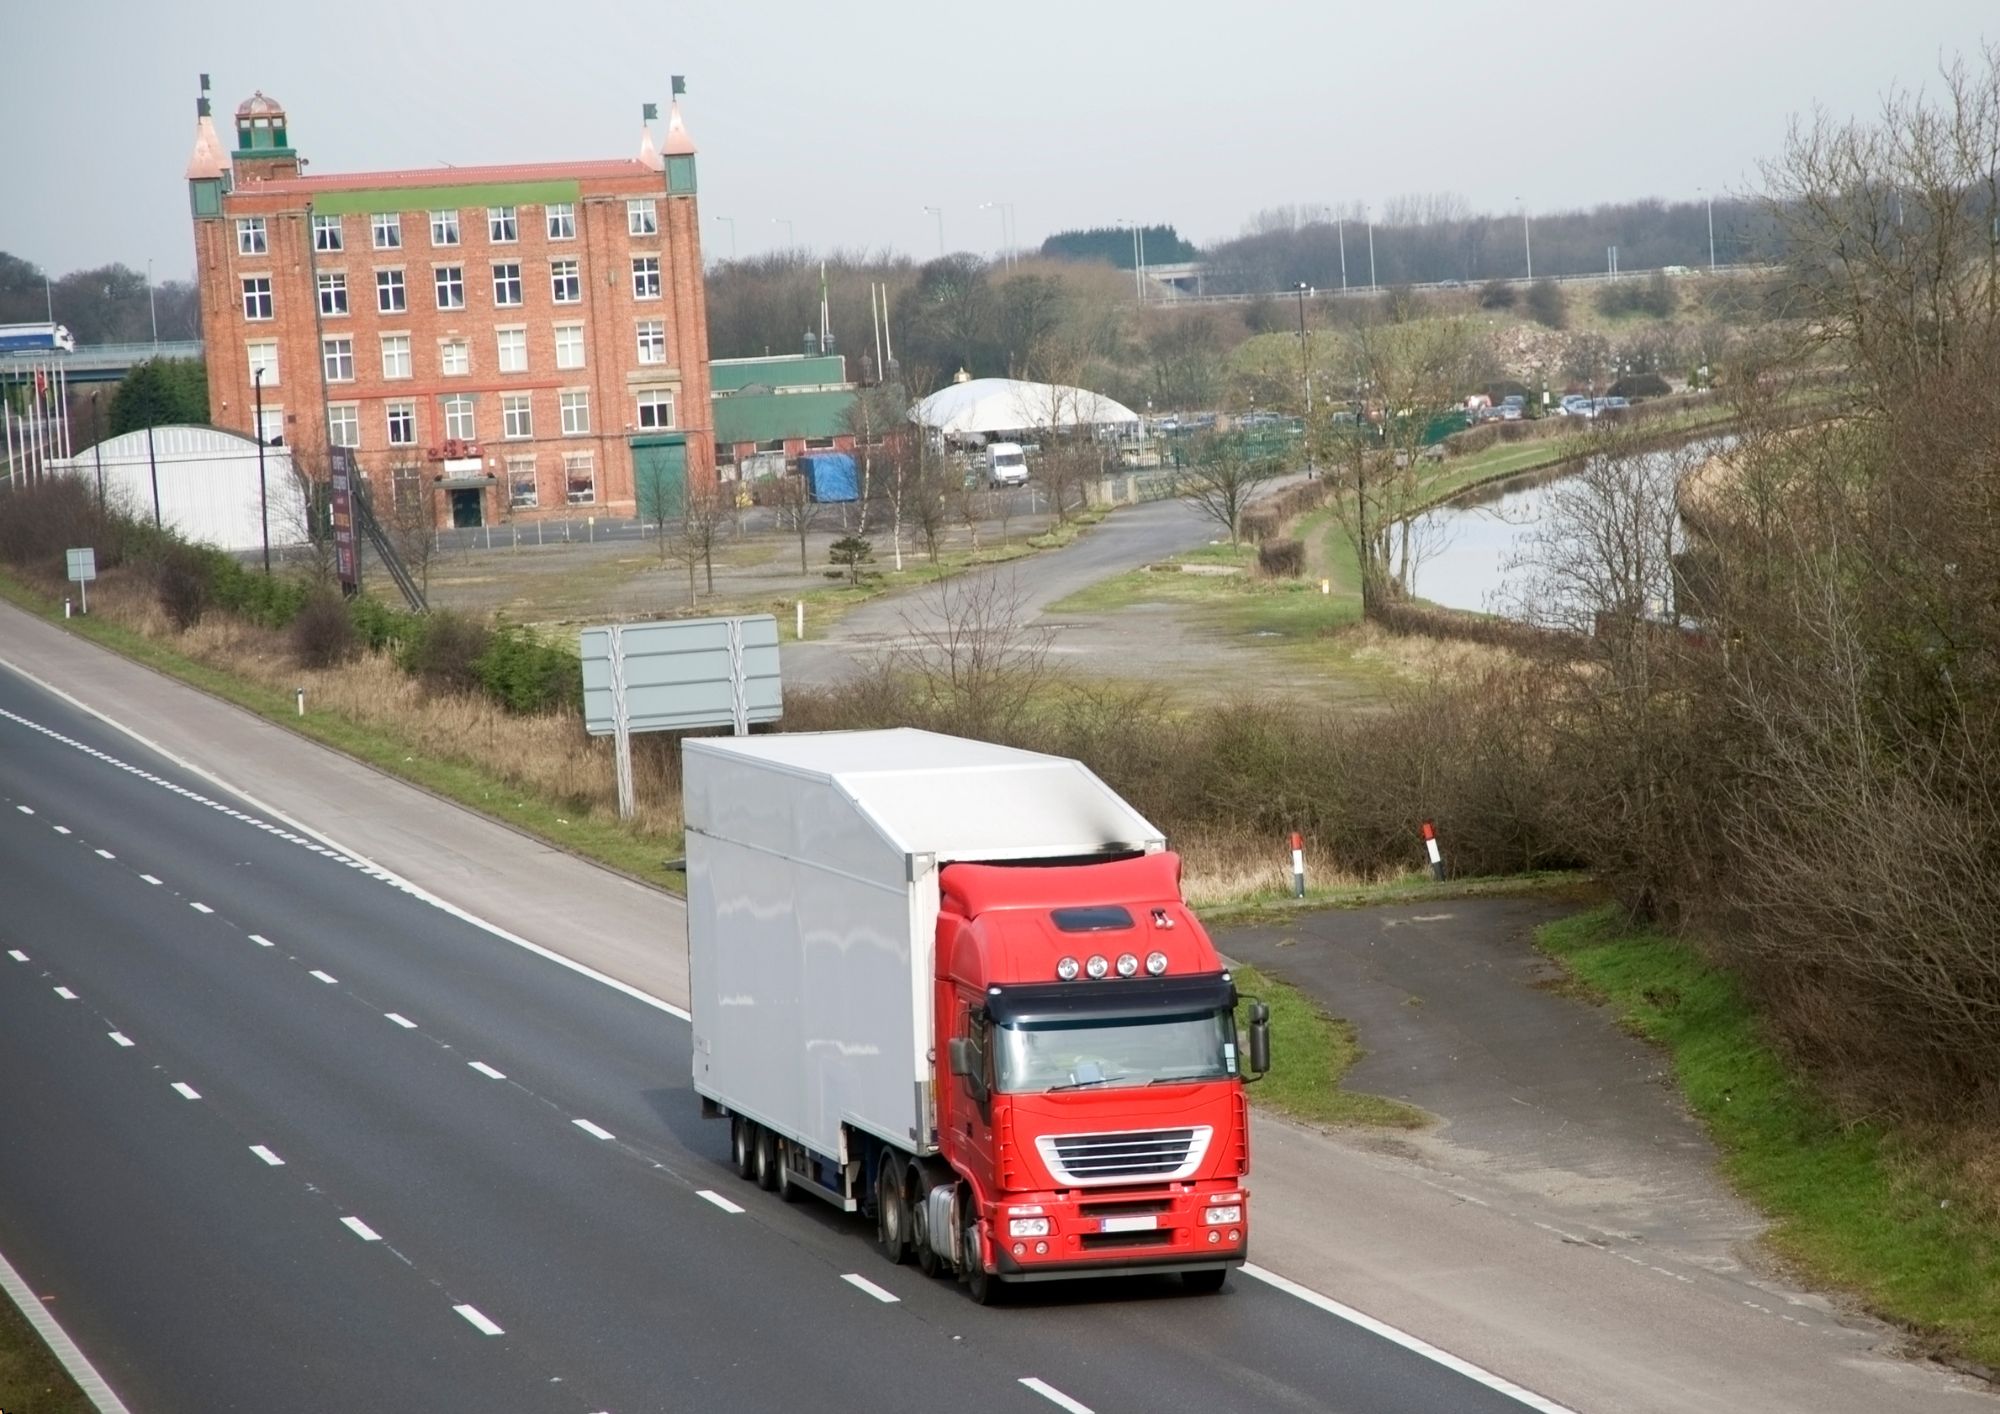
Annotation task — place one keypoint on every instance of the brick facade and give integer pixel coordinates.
(397, 373)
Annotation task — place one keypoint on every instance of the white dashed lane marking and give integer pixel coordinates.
(17, 955)
(592, 1130)
(25, 809)
(119, 1037)
(481, 1066)
(267, 1156)
(149, 879)
(1055, 1396)
(106, 854)
(187, 1091)
(717, 1199)
(402, 1021)
(860, 1282)
(62, 829)
(261, 941)
(361, 1230)
(66, 994)
(479, 1321)
(330, 981)
(201, 908)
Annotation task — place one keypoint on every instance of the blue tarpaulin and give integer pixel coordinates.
(830, 476)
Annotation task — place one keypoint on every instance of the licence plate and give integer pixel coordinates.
(1145, 1224)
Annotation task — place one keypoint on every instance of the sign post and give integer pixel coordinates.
(340, 508)
(82, 570)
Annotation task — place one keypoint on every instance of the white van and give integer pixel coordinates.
(1006, 464)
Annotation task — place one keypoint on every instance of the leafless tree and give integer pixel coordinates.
(971, 651)
(797, 511)
(411, 524)
(1223, 477)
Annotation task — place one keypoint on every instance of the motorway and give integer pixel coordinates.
(283, 1133)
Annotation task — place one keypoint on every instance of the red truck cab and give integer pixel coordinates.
(1089, 1084)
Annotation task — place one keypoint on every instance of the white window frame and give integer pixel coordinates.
(510, 342)
(503, 225)
(400, 344)
(642, 216)
(561, 220)
(572, 462)
(328, 233)
(385, 230)
(460, 416)
(575, 404)
(343, 418)
(390, 284)
(652, 399)
(504, 284)
(263, 353)
(646, 277)
(517, 417)
(568, 337)
(447, 280)
(444, 229)
(333, 293)
(257, 297)
(336, 352)
(523, 471)
(566, 281)
(252, 236)
(271, 431)
(653, 336)
(446, 348)
(404, 409)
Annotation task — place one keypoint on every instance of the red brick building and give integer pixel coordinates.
(525, 340)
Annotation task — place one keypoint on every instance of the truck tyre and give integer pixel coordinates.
(766, 1159)
(892, 1214)
(743, 1146)
(983, 1288)
(930, 1261)
(1205, 1283)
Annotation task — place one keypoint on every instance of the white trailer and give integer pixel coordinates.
(812, 869)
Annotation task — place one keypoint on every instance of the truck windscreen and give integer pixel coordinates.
(1033, 1057)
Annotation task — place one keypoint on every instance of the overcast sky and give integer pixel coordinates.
(848, 120)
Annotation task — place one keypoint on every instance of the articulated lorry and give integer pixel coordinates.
(954, 985)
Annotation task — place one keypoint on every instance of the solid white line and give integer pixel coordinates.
(330, 981)
(486, 1070)
(1055, 1396)
(57, 1339)
(149, 878)
(106, 854)
(1409, 1342)
(484, 1326)
(66, 994)
(855, 1279)
(717, 1199)
(361, 1230)
(593, 1130)
(261, 941)
(267, 1156)
(200, 908)
(402, 1021)
(188, 1092)
(17, 955)
(62, 829)
(120, 1037)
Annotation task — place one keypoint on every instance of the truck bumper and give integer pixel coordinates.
(1094, 1234)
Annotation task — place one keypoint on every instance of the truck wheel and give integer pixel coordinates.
(1205, 1283)
(892, 1215)
(788, 1191)
(983, 1288)
(743, 1146)
(766, 1163)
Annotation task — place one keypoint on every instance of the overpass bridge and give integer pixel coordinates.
(95, 363)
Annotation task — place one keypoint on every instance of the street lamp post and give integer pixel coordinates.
(263, 492)
(732, 236)
(97, 450)
(938, 211)
(1340, 234)
(1006, 209)
(152, 304)
(1302, 289)
(1527, 244)
(1709, 197)
(1371, 249)
(791, 241)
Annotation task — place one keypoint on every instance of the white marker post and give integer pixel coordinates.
(300, 693)
(800, 634)
(1431, 848)
(1298, 865)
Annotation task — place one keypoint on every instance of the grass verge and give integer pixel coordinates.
(32, 1381)
(1853, 1205)
(1273, 906)
(1310, 1054)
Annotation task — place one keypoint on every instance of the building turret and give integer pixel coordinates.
(679, 150)
(263, 143)
(208, 167)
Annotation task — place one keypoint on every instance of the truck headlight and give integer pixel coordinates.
(1028, 1227)
(1066, 969)
(1227, 1213)
(1097, 966)
(1156, 963)
(1128, 965)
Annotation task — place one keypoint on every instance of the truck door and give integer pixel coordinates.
(970, 1118)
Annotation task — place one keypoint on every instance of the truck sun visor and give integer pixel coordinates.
(1033, 1002)
(1098, 918)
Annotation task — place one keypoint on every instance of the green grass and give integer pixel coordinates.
(1277, 906)
(1853, 1205)
(1310, 1054)
(31, 1379)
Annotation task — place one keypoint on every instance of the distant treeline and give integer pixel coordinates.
(109, 304)
(1162, 245)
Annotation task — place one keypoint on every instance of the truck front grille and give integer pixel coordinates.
(1127, 1156)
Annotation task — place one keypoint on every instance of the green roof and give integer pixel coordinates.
(726, 375)
(769, 417)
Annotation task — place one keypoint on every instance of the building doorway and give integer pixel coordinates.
(468, 508)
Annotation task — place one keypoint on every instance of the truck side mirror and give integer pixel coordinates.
(1260, 1038)
(964, 1060)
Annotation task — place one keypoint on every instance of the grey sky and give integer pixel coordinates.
(849, 120)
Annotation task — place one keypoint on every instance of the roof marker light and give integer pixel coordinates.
(1156, 963)
(1067, 969)
(1128, 965)
(1097, 966)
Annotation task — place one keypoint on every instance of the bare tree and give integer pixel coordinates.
(875, 415)
(411, 524)
(796, 510)
(1223, 477)
(975, 658)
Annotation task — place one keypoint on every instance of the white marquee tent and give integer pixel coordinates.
(207, 484)
(983, 407)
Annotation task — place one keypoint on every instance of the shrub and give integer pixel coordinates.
(1473, 439)
(444, 651)
(1498, 294)
(1640, 385)
(1258, 524)
(525, 675)
(381, 627)
(183, 578)
(323, 633)
(1282, 558)
(1548, 305)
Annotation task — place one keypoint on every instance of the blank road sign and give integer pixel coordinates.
(679, 674)
(82, 564)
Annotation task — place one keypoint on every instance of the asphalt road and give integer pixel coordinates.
(282, 1134)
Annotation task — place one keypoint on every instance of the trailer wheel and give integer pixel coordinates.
(766, 1161)
(1205, 1283)
(743, 1146)
(788, 1191)
(892, 1215)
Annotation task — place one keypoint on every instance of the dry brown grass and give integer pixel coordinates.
(1422, 658)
